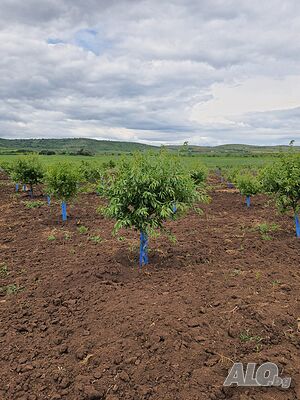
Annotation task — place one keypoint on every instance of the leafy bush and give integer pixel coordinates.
(145, 189)
(282, 179)
(109, 165)
(6, 167)
(28, 170)
(199, 175)
(89, 172)
(61, 181)
(248, 184)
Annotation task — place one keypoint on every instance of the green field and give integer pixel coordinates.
(99, 151)
(210, 161)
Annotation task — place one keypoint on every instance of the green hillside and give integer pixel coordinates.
(69, 145)
(82, 146)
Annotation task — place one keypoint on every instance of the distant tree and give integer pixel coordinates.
(28, 170)
(282, 180)
(47, 152)
(248, 185)
(62, 184)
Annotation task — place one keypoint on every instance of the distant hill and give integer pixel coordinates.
(70, 145)
(92, 146)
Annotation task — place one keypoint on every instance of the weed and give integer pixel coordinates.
(236, 272)
(11, 289)
(275, 283)
(34, 204)
(257, 275)
(265, 229)
(3, 270)
(95, 239)
(51, 238)
(121, 238)
(67, 236)
(247, 337)
(82, 229)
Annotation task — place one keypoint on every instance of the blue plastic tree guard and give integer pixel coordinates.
(248, 201)
(17, 187)
(48, 200)
(297, 223)
(64, 211)
(174, 208)
(24, 187)
(143, 249)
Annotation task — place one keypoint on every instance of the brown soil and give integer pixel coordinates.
(84, 323)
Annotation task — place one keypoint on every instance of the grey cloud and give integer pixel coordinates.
(141, 66)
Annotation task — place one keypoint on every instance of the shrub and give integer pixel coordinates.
(282, 180)
(109, 165)
(28, 170)
(143, 192)
(248, 184)
(89, 172)
(61, 182)
(199, 175)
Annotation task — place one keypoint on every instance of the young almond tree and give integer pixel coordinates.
(282, 179)
(146, 190)
(248, 186)
(199, 174)
(62, 184)
(28, 170)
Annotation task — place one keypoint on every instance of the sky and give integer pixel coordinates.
(208, 72)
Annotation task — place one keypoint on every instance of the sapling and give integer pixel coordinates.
(248, 186)
(143, 191)
(89, 172)
(199, 175)
(282, 179)
(61, 182)
(28, 170)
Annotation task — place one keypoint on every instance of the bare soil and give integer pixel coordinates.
(79, 321)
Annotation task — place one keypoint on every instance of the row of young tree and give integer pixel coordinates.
(146, 190)
(280, 179)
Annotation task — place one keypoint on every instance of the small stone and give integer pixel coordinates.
(285, 287)
(194, 322)
(64, 383)
(97, 374)
(200, 339)
(124, 376)
(130, 360)
(58, 340)
(27, 368)
(80, 354)
(63, 349)
(92, 394)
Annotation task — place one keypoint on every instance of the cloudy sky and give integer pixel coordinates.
(206, 71)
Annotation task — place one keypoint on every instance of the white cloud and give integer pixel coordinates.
(209, 71)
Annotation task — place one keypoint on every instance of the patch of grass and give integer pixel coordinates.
(120, 238)
(11, 289)
(236, 272)
(34, 204)
(67, 236)
(3, 270)
(51, 238)
(248, 337)
(257, 275)
(275, 283)
(95, 239)
(82, 229)
(265, 229)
